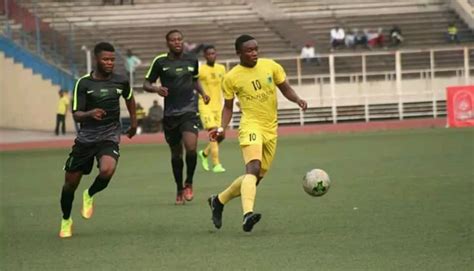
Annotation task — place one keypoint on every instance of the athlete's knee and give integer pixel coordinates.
(253, 167)
(176, 157)
(106, 171)
(191, 154)
(72, 181)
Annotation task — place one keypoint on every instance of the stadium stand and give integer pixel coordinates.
(281, 27)
(423, 24)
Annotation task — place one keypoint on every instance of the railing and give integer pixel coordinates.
(456, 64)
(429, 65)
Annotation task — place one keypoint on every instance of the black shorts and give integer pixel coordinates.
(174, 126)
(82, 155)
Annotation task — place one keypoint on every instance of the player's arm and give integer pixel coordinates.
(132, 111)
(152, 75)
(291, 95)
(79, 107)
(227, 111)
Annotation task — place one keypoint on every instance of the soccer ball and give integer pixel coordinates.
(316, 182)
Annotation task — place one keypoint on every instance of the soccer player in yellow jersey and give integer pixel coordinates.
(210, 76)
(254, 82)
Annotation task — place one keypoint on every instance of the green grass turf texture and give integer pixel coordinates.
(399, 200)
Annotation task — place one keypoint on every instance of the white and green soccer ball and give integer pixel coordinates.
(316, 182)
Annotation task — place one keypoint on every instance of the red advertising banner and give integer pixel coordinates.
(460, 106)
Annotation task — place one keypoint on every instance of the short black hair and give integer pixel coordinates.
(208, 47)
(240, 40)
(103, 46)
(171, 32)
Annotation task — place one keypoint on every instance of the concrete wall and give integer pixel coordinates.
(27, 101)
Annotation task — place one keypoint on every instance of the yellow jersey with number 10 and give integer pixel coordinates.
(256, 90)
(211, 82)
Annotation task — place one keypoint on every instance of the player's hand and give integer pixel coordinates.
(162, 91)
(302, 104)
(217, 134)
(132, 131)
(206, 99)
(98, 113)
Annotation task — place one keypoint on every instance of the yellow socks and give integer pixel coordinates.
(244, 186)
(248, 189)
(207, 149)
(232, 191)
(214, 147)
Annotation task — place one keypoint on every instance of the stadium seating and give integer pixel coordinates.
(141, 27)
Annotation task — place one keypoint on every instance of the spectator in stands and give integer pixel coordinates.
(155, 117)
(61, 112)
(337, 37)
(452, 33)
(396, 37)
(360, 38)
(308, 53)
(350, 39)
(375, 38)
(131, 64)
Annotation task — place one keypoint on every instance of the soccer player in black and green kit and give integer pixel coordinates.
(178, 73)
(97, 108)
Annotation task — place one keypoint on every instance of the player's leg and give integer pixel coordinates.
(190, 135)
(177, 165)
(217, 202)
(203, 154)
(174, 139)
(268, 154)
(72, 180)
(214, 145)
(248, 189)
(107, 158)
(260, 169)
(80, 162)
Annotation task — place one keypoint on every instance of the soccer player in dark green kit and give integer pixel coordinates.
(97, 108)
(178, 73)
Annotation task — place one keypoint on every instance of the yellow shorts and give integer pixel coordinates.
(210, 118)
(258, 145)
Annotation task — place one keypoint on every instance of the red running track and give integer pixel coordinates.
(282, 131)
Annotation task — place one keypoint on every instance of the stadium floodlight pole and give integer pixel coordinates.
(88, 58)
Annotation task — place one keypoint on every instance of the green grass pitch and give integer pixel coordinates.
(400, 200)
